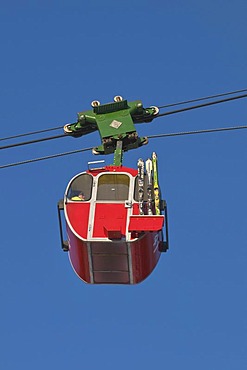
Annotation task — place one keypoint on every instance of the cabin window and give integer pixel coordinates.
(81, 185)
(114, 187)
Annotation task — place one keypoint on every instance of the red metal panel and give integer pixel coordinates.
(145, 255)
(135, 209)
(146, 223)
(78, 215)
(78, 256)
(97, 171)
(109, 216)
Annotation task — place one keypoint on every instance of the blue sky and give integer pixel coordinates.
(58, 56)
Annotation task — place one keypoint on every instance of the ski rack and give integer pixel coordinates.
(154, 204)
(140, 165)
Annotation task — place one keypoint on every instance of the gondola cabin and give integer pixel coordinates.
(113, 214)
(112, 237)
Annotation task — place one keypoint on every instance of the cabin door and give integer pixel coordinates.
(111, 212)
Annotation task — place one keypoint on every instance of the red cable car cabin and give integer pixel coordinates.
(108, 241)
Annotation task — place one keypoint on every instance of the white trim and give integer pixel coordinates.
(90, 262)
(130, 263)
(92, 209)
(93, 201)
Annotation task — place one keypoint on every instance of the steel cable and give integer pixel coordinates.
(31, 133)
(44, 158)
(200, 105)
(201, 99)
(149, 137)
(197, 132)
(32, 141)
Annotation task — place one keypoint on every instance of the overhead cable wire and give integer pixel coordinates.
(159, 115)
(201, 99)
(31, 133)
(44, 158)
(200, 105)
(149, 137)
(197, 132)
(32, 141)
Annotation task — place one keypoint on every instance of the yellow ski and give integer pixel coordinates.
(156, 184)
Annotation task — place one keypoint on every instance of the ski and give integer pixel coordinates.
(156, 184)
(149, 167)
(140, 166)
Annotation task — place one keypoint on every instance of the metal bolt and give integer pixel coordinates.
(118, 98)
(95, 103)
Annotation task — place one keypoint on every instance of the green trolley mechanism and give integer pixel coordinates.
(116, 124)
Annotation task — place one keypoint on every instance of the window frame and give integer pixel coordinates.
(87, 185)
(107, 199)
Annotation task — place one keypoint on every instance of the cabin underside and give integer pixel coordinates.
(115, 262)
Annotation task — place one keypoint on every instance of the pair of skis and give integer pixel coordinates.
(152, 184)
